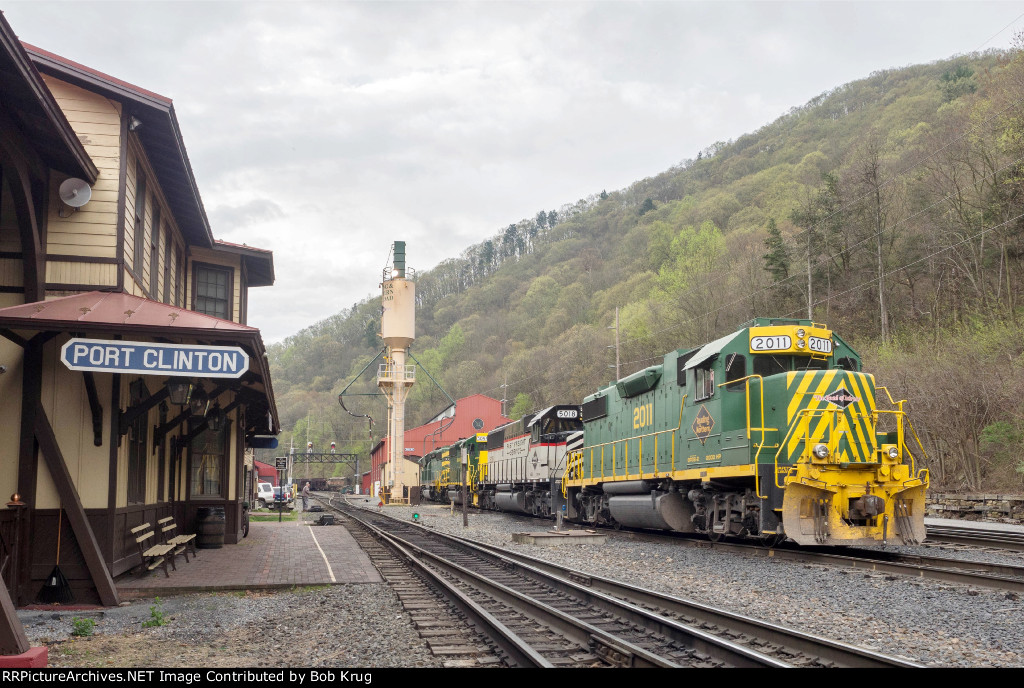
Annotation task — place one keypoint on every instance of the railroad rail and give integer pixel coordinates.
(570, 618)
(997, 576)
(977, 537)
(452, 629)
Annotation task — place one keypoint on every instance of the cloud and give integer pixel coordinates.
(326, 130)
(228, 218)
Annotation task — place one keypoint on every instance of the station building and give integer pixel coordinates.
(470, 415)
(94, 451)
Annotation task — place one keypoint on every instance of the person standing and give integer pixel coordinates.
(305, 496)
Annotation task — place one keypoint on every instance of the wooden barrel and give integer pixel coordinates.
(210, 527)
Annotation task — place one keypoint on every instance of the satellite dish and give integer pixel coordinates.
(75, 192)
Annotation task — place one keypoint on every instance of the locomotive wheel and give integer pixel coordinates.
(715, 537)
(770, 540)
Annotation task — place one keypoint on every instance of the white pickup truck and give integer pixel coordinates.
(264, 495)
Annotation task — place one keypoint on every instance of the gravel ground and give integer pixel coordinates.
(934, 623)
(342, 626)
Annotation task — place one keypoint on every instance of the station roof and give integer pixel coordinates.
(259, 262)
(39, 117)
(159, 134)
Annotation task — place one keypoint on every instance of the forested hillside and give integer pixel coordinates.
(890, 209)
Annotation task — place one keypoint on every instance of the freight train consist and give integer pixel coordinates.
(771, 432)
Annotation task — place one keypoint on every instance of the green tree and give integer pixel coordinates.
(522, 405)
(776, 260)
(957, 82)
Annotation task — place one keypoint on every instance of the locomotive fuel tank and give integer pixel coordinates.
(656, 510)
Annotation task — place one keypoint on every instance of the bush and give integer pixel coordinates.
(82, 627)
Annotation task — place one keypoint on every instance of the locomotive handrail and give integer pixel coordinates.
(901, 431)
(626, 440)
(746, 381)
(802, 419)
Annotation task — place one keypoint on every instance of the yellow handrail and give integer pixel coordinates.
(626, 441)
(763, 429)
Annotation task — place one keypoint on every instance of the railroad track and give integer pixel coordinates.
(1008, 577)
(966, 535)
(570, 619)
(977, 573)
(443, 622)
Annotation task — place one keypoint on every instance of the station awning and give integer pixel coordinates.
(109, 314)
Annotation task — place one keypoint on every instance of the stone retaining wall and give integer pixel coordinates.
(976, 506)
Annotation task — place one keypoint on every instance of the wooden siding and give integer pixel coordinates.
(10, 239)
(10, 393)
(63, 272)
(67, 407)
(11, 272)
(140, 282)
(92, 229)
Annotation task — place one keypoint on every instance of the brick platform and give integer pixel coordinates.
(275, 555)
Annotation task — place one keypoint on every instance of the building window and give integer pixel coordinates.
(213, 295)
(179, 288)
(140, 222)
(154, 254)
(167, 269)
(137, 435)
(209, 458)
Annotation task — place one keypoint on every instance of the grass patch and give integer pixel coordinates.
(289, 516)
(309, 588)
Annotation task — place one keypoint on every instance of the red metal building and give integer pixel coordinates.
(470, 415)
(266, 472)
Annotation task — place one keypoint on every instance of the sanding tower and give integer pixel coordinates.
(394, 377)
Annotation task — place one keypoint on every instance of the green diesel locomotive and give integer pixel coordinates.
(770, 432)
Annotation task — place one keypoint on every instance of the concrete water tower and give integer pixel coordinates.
(394, 377)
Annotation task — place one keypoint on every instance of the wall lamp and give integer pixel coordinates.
(215, 418)
(179, 390)
(134, 123)
(199, 402)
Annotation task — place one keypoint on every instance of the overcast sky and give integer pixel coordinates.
(325, 131)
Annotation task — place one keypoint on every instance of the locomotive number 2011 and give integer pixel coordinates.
(643, 416)
(776, 343)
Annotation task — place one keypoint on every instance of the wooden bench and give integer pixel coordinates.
(152, 553)
(181, 542)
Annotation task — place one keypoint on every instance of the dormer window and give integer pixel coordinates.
(213, 291)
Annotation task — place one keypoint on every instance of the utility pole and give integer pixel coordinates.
(616, 328)
(504, 394)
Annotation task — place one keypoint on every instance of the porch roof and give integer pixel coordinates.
(115, 313)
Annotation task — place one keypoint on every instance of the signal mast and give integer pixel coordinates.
(394, 377)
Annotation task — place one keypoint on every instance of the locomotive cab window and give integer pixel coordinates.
(766, 365)
(551, 426)
(704, 383)
(847, 363)
(735, 369)
(812, 364)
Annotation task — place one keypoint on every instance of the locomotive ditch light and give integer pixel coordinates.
(893, 452)
(821, 451)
